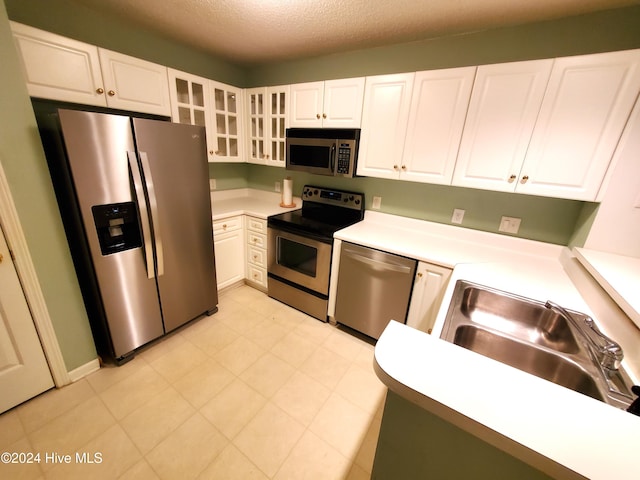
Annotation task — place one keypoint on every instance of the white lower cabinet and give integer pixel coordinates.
(229, 244)
(428, 291)
(256, 252)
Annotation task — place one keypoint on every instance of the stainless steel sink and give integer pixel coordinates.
(528, 335)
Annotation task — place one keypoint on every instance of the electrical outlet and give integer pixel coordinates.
(458, 215)
(277, 187)
(509, 224)
(375, 204)
(212, 184)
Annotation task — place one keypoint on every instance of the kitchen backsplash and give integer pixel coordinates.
(545, 219)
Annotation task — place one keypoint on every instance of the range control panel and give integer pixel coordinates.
(337, 198)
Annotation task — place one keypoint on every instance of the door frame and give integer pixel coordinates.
(21, 258)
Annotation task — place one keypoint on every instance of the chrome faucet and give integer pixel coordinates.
(608, 352)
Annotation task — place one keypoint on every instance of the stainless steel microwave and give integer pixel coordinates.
(323, 151)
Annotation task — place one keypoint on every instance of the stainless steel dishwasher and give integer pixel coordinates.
(374, 287)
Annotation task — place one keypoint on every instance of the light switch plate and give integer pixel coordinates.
(458, 215)
(277, 187)
(375, 204)
(509, 224)
(212, 184)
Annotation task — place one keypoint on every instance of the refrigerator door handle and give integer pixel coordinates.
(144, 216)
(153, 204)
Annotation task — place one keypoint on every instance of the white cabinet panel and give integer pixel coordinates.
(502, 113)
(438, 110)
(384, 124)
(229, 245)
(428, 290)
(584, 112)
(267, 121)
(306, 104)
(256, 267)
(330, 104)
(226, 132)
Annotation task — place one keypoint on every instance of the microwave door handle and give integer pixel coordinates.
(144, 215)
(333, 158)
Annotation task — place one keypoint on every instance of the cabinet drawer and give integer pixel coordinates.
(257, 275)
(256, 225)
(227, 225)
(257, 256)
(257, 239)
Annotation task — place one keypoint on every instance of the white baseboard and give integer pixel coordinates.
(84, 370)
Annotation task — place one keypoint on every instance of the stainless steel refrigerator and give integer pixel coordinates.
(134, 197)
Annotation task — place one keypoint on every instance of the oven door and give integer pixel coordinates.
(299, 259)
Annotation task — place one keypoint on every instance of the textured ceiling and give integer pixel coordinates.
(260, 31)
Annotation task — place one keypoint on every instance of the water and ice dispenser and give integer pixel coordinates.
(117, 227)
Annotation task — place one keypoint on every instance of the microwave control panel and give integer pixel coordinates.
(345, 156)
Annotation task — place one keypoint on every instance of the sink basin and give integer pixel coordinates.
(525, 334)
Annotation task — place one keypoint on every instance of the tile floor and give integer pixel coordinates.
(256, 391)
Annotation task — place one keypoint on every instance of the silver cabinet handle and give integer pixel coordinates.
(144, 214)
(153, 204)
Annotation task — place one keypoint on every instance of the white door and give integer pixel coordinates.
(24, 372)
(306, 105)
(343, 103)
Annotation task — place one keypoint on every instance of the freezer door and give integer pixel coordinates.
(176, 171)
(97, 146)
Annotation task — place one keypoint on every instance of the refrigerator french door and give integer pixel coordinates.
(142, 194)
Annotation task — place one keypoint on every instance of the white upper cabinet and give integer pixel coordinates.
(226, 123)
(585, 109)
(385, 115)
(438, 109)
(60, 68)
(267, 120)
(330, 104)
(502, 113)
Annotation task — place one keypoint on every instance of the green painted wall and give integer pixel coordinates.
(26, 169)
(415, 444)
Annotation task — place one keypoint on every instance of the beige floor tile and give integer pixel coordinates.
(365, 357)
(30, 469)
(47, 406)
(243, 320)
(358, 473)
(155, 420)
(68, 432)
(267, 374)
(214, 338)
(367, 452)
(140, 471)
(302, 397)
(268, 438)
(203, 383)
(181, 360)
(231, 464)
(160, 347)
(294, 349)
(264, 305)
(341, 424)
(314, 330)
(233, 407)
(313, 459)
(239, 355)
(326, 367)
(11, 429)
(109, 375)
(289, 317)
(266, 333)
(363, 388)
(186, 452)
(244, 294)
(134, 391)
(343, 344)
(106, 457)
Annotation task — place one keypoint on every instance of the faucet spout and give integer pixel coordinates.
(608, 352)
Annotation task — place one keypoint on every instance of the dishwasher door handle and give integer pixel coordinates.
(377, 264)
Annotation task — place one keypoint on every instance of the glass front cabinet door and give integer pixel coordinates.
(226, 123)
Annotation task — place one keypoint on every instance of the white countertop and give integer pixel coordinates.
(619, 275)
(550, 427)
(248, 201)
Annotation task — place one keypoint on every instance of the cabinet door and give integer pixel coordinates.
(278, 122)
(134, 84)
(342, 106)
(306, 104)
(229, 255)
(189, 98)
(438, 110)
(59, 68)
(384, 124)
(226, 123)
(428, 290)
(256, 125)
(504, 104)
(583, 114)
